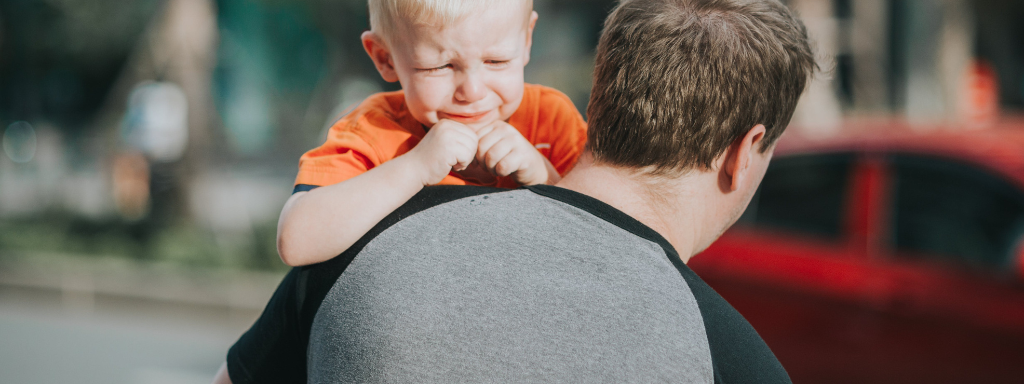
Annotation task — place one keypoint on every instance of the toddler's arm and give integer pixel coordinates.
(318, 225)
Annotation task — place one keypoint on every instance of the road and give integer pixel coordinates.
(53, 336)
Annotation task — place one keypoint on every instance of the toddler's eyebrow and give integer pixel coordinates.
(501, 52)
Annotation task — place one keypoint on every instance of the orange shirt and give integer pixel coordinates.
(381, 129)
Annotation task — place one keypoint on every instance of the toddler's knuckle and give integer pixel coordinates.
(504, 168)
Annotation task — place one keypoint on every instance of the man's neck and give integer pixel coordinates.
(669, 206)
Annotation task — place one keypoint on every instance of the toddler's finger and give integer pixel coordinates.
(463, 161)
(508, 165)
(487, 141)
(465, 153)
(487, 129)
(496, 153)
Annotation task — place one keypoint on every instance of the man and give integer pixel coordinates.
(583, 281)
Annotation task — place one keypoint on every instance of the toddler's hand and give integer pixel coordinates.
(448, 146)
(504, 151)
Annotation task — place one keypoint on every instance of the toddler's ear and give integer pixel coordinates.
(381, 55)
(529, 35)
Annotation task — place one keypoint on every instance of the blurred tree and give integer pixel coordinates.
(178, 47)
(271, 58)
(59, 58)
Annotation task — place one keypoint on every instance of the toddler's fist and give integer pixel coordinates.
(504, 151)
(448, 146)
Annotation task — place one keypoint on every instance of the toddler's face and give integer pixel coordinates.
(470, 72)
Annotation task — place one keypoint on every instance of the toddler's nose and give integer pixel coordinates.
(470, 88)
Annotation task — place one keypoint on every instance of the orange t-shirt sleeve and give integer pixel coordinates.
(343, 156)
(566, 132)
(377, 131)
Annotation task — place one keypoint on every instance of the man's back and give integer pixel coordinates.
(470, 284)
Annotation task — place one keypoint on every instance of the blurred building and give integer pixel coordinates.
(927, 61)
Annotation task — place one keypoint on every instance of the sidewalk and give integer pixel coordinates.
(83, 278)
(91, 320)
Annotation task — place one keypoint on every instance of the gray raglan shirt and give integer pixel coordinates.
(470, 284)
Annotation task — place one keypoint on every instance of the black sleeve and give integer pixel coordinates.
(273, 350)
(738, 353)
(304, 188)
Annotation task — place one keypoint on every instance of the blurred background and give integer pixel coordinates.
(148, 147)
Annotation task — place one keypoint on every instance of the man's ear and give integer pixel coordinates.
(381, 56)
(736, 162)
(529, 36)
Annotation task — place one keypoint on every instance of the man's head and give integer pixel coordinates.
(459, 60)
(697, 87)
(678, 81)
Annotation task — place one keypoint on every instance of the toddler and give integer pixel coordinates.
(464, 116)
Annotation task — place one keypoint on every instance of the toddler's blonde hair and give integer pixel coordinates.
(387, 15)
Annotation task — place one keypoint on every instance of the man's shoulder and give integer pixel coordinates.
(435, 195)
(524, 274)
(439, 197)
(429, 197)
(738, 353)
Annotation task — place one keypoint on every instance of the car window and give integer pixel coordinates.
(803, 195)
(955, 212)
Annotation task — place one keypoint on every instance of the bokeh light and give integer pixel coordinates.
(20, 142)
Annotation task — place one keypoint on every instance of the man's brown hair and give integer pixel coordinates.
(678, 81)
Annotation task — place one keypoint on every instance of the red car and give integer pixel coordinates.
(885, 258)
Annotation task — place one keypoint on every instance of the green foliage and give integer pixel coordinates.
(181, 244)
